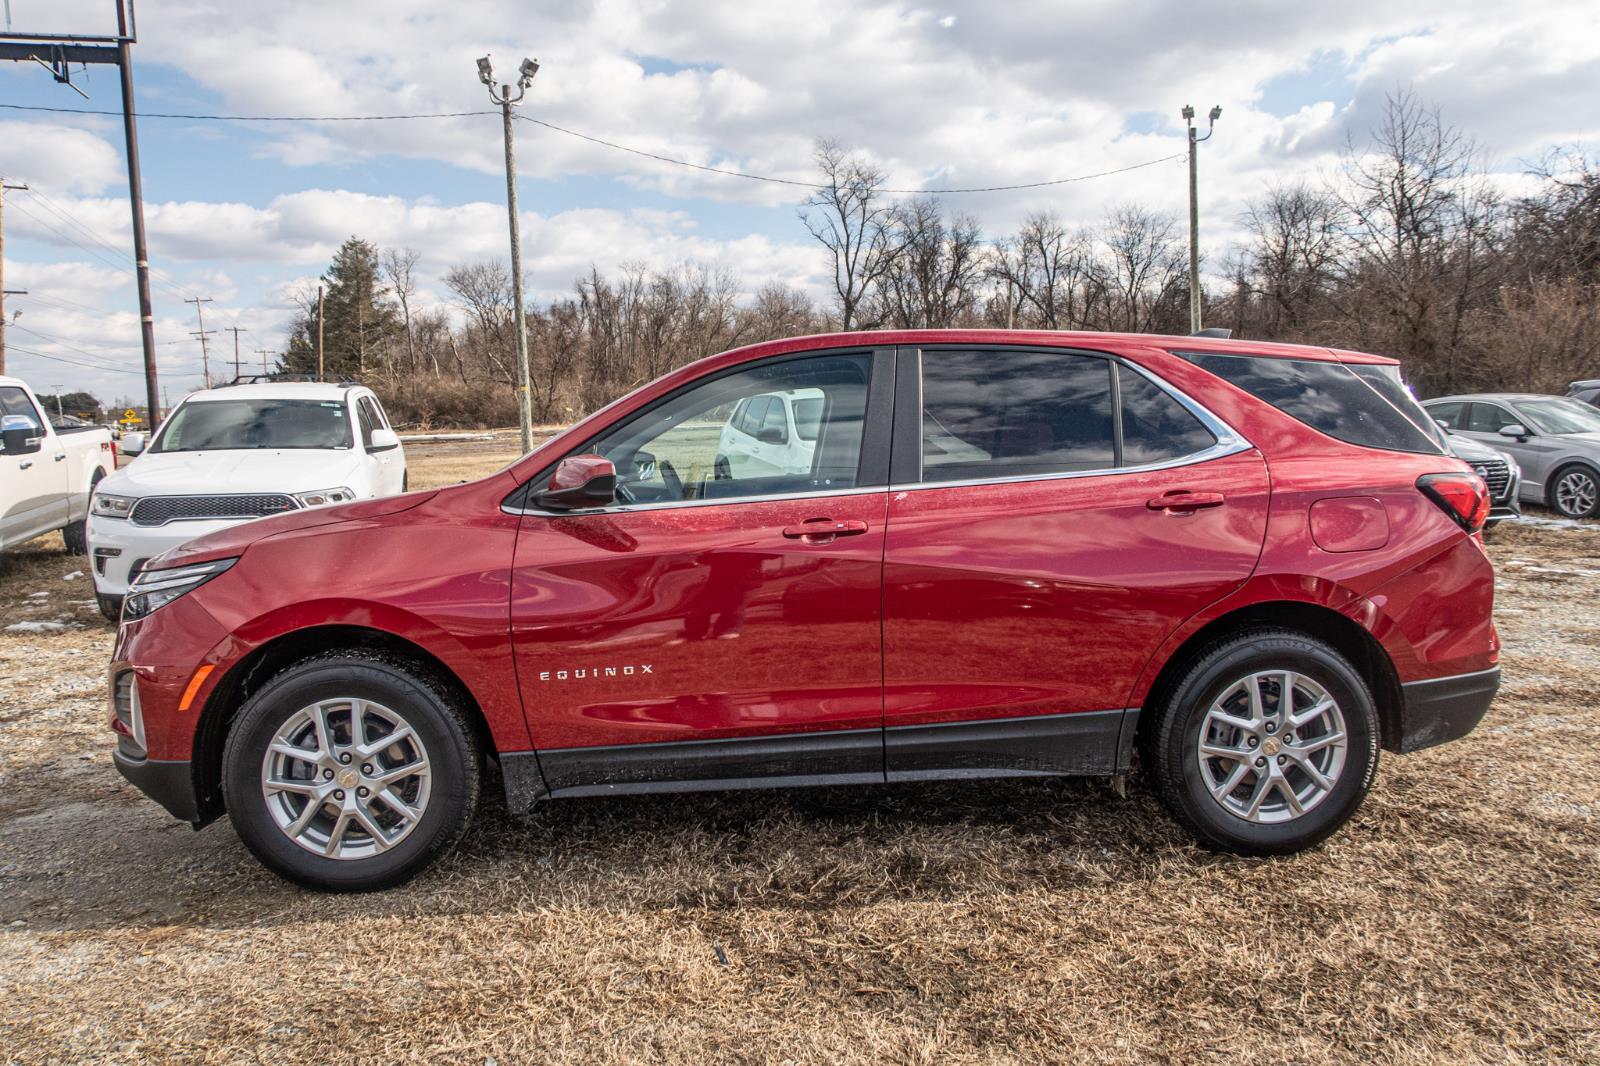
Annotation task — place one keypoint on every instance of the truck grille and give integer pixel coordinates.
(1496, 473)
(159, 510)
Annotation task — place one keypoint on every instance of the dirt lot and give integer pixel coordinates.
(1457, 918)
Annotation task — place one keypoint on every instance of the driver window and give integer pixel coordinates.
(728, 438)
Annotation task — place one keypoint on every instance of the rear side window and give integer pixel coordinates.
(1329, 397)
(1449, 413)
(1002, 413)
(1155, 426)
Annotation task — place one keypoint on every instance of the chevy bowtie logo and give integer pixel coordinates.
(584, 673)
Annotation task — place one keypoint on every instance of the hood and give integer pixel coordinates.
(241, 471)
(232, 541)
(1470, 450)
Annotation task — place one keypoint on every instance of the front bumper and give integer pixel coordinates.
(1444, 708)
(135, 545)
(170, 784)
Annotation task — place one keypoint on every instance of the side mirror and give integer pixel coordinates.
(1517, 430)
(771, 435)
(20, 435)
(1442, 424)
(132, 444)
(580, 481)
(384, 440)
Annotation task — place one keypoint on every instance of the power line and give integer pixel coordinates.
(640, 152)
(74, 362)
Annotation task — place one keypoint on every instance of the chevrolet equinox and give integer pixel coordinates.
(996, 554)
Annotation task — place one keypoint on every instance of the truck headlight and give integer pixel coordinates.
(154, 589)
(322, 497)
(112, 506)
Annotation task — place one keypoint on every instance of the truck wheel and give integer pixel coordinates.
(1266, 744)
(351, 772)
(110, 606)
(76, 535)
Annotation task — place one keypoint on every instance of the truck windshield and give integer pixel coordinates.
(219, 425)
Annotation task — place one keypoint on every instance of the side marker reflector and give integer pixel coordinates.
(194, 685)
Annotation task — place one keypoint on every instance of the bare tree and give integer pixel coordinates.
(851, 219)
(1297, 241)
(1146, 267)
(399, 267)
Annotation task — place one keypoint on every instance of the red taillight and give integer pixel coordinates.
(1463, 497)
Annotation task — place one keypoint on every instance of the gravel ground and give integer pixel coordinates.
(1456, 918)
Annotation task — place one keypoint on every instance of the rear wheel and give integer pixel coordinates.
(110, 606)
(1266, 745)
(1575, 492)
(76, 535)
(350, 773)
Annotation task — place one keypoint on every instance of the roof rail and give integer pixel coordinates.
(1213, 331)
(276, 379)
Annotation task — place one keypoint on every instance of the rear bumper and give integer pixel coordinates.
(170, 784)
(1444, 708)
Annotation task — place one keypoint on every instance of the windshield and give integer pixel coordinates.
(218, 425)
(1560, 416)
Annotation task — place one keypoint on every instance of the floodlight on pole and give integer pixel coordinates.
(525, 74)
(1195, 323)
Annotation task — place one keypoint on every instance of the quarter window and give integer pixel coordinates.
(1155, 426)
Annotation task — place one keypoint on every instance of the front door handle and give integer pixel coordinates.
(59, 458)
(1181, 501)
(26, 465)
(824, 530)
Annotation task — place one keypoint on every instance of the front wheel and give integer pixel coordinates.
(110, 606)
(1575, 492)
(1266, 745)
(351, 773)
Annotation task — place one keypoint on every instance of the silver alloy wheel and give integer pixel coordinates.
(346, 778)
(1575, 493)
(1272, 746)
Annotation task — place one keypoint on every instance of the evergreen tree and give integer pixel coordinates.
(360, 322)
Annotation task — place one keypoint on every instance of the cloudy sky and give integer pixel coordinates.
(942, 94)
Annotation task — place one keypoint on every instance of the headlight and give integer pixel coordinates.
(154, 589)
(112, 506)
(321, 497)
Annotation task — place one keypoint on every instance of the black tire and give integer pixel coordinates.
(1170, 744)
(422, 700)
(721, 470)
(76, 535)
(405, 481)
(110, 606)
(1552, 497)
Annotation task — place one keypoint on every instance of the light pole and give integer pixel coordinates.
(1194, 213)
(504, 98)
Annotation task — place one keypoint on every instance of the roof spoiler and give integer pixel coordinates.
(1213, 331)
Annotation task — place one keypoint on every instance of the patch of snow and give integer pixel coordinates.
(72, 576)
(37, 595)
(1557, 523)
(36, 627)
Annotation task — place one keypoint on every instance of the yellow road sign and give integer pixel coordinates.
(131, 417)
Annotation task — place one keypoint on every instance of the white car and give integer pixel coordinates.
(231, 454)
(773, 433)
(46, 473)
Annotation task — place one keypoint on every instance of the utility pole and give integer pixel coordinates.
(236, 330)
(263, 353)
(59, 54)
(1194, 212)
(504, 98)
(59, 415)
(319, 332)
(202, 333)
(4, 292)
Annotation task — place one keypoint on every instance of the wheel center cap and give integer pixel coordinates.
(348, 777)
(1271, 746)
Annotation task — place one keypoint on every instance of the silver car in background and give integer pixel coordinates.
(1555, 439)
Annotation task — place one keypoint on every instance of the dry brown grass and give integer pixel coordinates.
(1456, 918)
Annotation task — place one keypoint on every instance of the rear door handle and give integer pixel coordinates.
(26, 465)
(60, 458)
(1184, 502)
(823, 530)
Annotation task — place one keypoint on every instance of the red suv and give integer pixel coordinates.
(857, 558)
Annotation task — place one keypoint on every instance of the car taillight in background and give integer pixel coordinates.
(1464, 497)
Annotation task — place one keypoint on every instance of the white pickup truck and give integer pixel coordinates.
(46, 474)
(231, 454)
